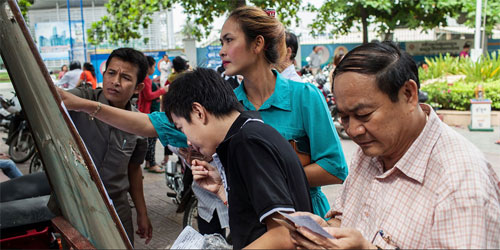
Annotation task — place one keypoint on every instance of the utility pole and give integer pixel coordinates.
(477, 51)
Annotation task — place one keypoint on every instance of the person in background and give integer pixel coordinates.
(71, 78)
(180, 65)
(63, 71)
(414, 183)
(287, 66)
(165, 69)
(88, 76)
(117, 155)
(465, 53)
(231, 80)
(315, 57)
(149, 98)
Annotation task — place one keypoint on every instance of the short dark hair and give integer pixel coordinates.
(179, 64)
(151, 60)
(134, 57)
(466, 45)
(75, 65)
(391, 66)
(314, 46)
(291, 41)
(204, 86)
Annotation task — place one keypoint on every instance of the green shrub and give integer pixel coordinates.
(440, 66)
(456, 96)
(486, 69)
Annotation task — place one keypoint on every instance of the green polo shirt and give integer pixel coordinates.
(299, 112)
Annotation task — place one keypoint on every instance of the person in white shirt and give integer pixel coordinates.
(315, 57)
(70, 79)
(287, 65)
(165, 69)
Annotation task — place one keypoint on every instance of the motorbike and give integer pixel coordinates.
(36, 164)
(20, 139)
(8, 107)
(178, 178)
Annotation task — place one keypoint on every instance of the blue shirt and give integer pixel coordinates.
(299, 112)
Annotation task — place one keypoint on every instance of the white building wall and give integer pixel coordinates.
(156, 32)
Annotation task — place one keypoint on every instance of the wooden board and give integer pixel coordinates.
(74, 179)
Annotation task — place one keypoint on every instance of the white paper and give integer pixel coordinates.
(189, 239)
(309, 223)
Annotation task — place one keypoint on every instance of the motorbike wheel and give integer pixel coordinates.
(191, 214)
(21, 150)
(36, 164)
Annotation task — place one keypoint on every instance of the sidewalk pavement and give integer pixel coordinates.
(167, 224)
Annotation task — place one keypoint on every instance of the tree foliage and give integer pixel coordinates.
(340, 16)
(128, 17)
(24, 6)
(492, 14)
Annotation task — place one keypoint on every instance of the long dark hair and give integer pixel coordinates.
(89, 67)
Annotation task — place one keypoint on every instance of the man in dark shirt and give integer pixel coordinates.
(118, 155)
(257, 169)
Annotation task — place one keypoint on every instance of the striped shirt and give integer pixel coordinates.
(441, 194)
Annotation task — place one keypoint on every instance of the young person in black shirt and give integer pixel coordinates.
(257, 172)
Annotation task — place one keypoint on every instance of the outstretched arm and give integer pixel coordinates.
(131, 122)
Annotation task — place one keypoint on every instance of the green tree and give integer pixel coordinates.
(468, 11)
(338, 17)
(127, 17)
(24, 6)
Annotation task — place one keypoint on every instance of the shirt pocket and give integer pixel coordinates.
(127, 146)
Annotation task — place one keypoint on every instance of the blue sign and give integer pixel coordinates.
(99, 62)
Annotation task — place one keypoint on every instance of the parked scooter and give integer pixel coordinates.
(20, 140)
(8, 107)
(179, 179)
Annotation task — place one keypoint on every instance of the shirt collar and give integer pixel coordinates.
(279, 99)
(414, 162)
(238, 123)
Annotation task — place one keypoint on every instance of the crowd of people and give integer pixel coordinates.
(271, 145)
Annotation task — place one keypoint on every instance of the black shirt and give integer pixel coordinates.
(264, 175)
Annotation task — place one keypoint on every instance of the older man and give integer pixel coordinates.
(414, 182)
